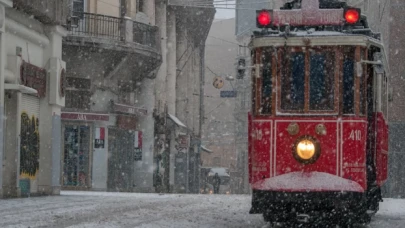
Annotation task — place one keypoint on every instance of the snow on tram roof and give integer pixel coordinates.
(306, 33)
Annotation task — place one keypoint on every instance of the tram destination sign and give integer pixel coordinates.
(309, 14)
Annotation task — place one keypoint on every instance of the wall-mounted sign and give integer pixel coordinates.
(218, 82)
(129, 109)
(183, 141)
(228, 94)
(138, 146)
(99, 138)
(33, 77)
(84, 116)
(126, 122)
(62, 86)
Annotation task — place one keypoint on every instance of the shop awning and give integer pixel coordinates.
(85, 116)
(177, 121)
(128, 109)
(205, 149)
(21, 88)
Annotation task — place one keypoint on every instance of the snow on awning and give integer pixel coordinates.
(177, 121)
(206, 149)
(21, 88)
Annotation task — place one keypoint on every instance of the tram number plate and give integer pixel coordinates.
(355, 135)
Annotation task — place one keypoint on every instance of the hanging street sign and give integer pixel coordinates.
(138, 145)
(227, 94)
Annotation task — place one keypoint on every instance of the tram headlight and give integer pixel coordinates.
(306, 150)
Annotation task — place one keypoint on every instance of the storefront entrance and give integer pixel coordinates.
(76, 159)
(121, 160)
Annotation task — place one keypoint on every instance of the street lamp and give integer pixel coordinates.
(230, 78)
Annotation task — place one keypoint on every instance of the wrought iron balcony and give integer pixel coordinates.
(47, 11)
(114, 28)
(101, 26)
(146, 35)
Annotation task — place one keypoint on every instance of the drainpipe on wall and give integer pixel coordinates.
(201, 122)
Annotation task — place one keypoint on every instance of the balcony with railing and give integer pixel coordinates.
(114, 29)
(119, 48)
(47, 11)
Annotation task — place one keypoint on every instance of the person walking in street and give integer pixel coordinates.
(216, 183)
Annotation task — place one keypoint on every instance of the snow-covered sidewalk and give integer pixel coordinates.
(99, 209)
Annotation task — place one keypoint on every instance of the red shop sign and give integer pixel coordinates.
(33, 77)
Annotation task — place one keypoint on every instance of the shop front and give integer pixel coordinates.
(124, 149)
(83, 141)
(100, 150)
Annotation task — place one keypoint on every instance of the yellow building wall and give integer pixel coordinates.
(110, 7)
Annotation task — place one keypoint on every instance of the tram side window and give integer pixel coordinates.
(267, 87)
(348, 85)
(293, 82)
(253, 78)
(322, 78)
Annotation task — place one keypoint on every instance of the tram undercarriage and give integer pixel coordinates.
(315, 208)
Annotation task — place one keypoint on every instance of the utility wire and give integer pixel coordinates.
(225, 40)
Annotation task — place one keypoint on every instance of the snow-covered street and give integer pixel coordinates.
(91, 209)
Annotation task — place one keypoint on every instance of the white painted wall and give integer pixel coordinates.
(100, 161)
(32, 54)
(42, 47)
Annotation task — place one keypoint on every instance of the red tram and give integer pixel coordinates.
(318, 128)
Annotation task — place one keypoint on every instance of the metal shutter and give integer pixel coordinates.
(30, 105)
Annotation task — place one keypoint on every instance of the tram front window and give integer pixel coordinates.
(308, 81)
(348, 83)
(267, 85)
(321, 81)
(293, 82)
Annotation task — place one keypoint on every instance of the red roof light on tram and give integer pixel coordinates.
(352, 15)
(263, 19)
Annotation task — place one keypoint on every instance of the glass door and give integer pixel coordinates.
(76, 156)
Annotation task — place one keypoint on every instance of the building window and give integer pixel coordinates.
(139, 5)
(78, 8)
(78, 94)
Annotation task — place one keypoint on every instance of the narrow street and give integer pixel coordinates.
(91, 209)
